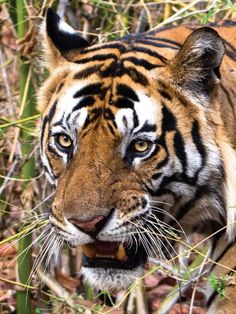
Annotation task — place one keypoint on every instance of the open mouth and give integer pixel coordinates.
(113, 255)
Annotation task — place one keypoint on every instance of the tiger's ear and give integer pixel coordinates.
(62, 43)
(196, 66)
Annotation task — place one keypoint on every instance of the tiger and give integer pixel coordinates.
(138, 138)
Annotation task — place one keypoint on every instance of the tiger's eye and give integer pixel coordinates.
(64, 141)
(141, 146)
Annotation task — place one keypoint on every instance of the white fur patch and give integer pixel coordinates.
(146, 111)
(67, 102)
(64, 27)
(111, 279)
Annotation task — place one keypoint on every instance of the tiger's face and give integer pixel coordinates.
(122, 141)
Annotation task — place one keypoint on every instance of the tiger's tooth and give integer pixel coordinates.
(120, 254)
(105, 256)
(88, 250)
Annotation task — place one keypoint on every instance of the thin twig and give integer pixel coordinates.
(8, 176)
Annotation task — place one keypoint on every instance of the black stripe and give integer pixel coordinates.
(95, 113)
(135, 120)
(150, 53)
(165, 94)
(60, 122)
(232, 52)
(102, 57)
(85, 102)
(114, 69)
(87, 72)
(123, 103)
(168, 124)
(44, 123)
(180, 149)
(68, 122)
(136, 76)
(147, 128)
(175, 177)
(157, 175)
(47, 119)
(50, 173)
(141, 62)
(230, 45)
(92, 89)
(115, 45)
(53, 151)
(111, 129)
(59, 87)
(168, 120)
(197, 140)
(154, 44)
(52, 111)
(162, 163)
(108, 114)
(126, 91)
(167, 40)
(182, 99)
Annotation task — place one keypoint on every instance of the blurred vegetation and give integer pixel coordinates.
(24, 193)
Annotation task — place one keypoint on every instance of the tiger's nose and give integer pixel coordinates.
(91, 227)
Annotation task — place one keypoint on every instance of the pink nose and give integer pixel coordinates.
(90, 226)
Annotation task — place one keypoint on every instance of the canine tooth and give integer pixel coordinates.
(88, 250)
(120, 254)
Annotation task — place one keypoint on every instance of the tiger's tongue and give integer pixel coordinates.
(103, 249)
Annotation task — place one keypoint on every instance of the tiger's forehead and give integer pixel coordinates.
(115, 81)
(122, 103)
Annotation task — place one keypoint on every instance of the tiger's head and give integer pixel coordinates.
(129, 138)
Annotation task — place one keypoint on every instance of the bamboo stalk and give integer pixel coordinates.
(28, 171)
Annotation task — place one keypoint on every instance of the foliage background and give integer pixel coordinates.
(24, 193)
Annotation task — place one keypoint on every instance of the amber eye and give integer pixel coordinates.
(141, 146)
(64, 141)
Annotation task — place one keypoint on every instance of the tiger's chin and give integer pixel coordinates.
(112, 265)
(111, 279)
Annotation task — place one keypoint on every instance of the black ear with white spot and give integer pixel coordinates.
(62, 41)
(196, 66)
